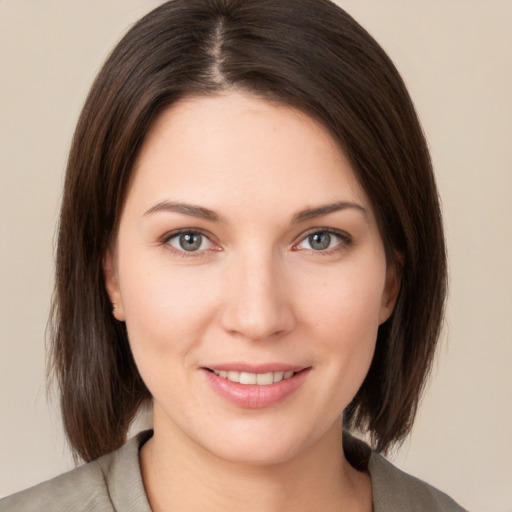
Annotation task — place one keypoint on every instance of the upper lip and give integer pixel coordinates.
(256, 368)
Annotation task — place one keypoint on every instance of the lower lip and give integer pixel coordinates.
(252, 396)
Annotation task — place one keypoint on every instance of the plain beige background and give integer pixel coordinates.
(455, 56)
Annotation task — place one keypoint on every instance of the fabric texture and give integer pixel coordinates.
(113, 483)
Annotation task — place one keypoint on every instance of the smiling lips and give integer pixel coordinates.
(255, 390)
(261, 379)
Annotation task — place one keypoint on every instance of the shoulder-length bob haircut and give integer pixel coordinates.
(308, 54)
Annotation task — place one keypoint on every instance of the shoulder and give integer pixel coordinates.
(395, 490)
(83, 488)
(113, 482)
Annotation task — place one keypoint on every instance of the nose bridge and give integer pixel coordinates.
(257, 305)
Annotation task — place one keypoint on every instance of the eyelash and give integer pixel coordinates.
(182, 252)
(345, 241)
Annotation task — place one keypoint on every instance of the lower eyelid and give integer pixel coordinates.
(343, 239)
(166, 240)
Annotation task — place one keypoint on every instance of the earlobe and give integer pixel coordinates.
(391, 290)
(112, 286)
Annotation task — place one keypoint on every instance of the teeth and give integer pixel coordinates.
(233, 376)
(248, 378)
(262, 379)
(278, 376)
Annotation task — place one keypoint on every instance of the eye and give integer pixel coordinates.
(189, 241)
(322, 241)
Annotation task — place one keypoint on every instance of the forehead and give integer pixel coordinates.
(240, 149)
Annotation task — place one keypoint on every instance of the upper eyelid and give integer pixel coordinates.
(176, 232)
(165, 242)
(339, 232)
(344, 235)
(345, 241)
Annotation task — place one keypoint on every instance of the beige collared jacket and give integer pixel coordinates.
(113, 483)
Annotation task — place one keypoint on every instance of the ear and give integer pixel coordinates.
(391, 288)
(112, 286)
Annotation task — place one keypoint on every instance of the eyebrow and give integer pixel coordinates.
(185, 209)
(207, 214)
(311, 213)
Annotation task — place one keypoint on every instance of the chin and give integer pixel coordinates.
(270, 445)
(255, 454)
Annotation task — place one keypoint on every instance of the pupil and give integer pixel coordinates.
(320, 241)
(190, 241)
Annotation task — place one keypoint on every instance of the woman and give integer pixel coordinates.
(250, 238)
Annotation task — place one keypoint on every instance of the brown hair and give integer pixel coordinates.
(306, 53)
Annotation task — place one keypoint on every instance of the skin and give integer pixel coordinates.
(258, 290)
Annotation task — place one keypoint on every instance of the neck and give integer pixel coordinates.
(180, 476)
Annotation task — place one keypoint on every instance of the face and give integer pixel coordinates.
(251, 275)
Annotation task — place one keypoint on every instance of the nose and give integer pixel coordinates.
(258, 304)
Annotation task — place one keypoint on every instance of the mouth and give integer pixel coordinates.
(262, 387)
(248, 378)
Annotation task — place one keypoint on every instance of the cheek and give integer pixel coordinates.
(166, 308)
(167, 312)
(344, 312)
(347, 301)
(352, 336)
